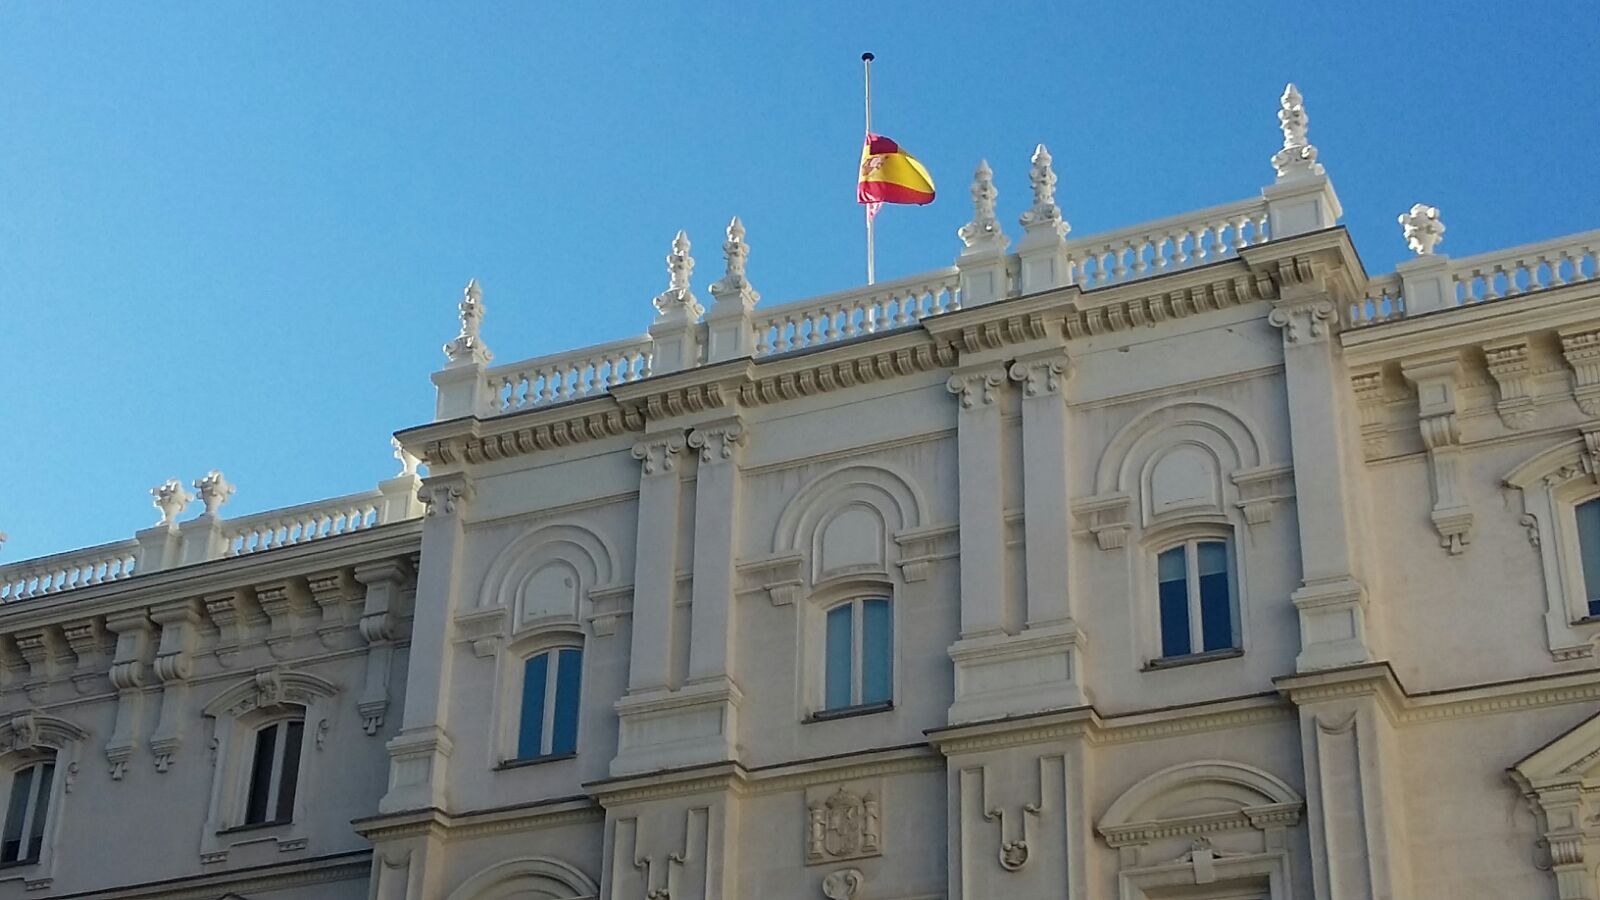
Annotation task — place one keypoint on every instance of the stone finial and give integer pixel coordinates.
(214, 491)
(984, 227)
(1044, 214)
(1298, 156)
(733, 284)
(678, 301)
(468, 347)
(408, 463)
(1423, 228)
(171, 499)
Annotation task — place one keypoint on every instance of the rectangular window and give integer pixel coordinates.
(1216, 602)
(552, 684)
(275, 773)
(1588, 516)
(17, 807)
(837, 693)
(255, 811)
(877, 652)
(289, 777)
(530, 739)
(1172, 575)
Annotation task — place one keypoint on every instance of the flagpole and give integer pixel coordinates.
(866, 64)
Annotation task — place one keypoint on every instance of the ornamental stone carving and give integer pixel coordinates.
(1303, 323)
(843, 825)
(444, 499)
(1422, 228)
(1298, 157)
(1040, 377)
(1044, 214)
(1582, 352)
(976, 389)
(170, 499)
(659, 456)
(1508, 365)
(214, 490)
(677, 302)
(1016, 845)
(718, 444)
(734, 286)
(468, 347)
(984, 229)
(843, 884)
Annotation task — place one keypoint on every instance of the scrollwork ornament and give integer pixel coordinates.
(843, 884)
(659, 456)
(975, 389)
(1039, 377)
(1304, 322)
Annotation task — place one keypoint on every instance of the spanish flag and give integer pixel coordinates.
(890, 175)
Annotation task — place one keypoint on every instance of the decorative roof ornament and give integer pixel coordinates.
(1298, 156)
(214, 491)
(171, 499)
(984, 229)
(408, 463)
(734, 285)
(1044, 214)
(1423, 229)
(468, 347)
(678, 302)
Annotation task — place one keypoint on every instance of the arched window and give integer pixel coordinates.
(1588, 516)
(1194, 583)
(27, 811)
(859, 667)
(275, 772)
(551, 683)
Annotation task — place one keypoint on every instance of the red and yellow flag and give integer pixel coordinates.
(890, 175)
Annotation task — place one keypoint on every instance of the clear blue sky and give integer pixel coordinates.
(233, 234)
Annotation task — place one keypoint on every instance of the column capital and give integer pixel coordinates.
(446, 495)
(1304, 322)
(718, 443)
(659, 453)
(1042, 375)
(976, 387)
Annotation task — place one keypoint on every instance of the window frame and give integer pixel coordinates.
(550, 708)
(32, 829)
(32, 737)
(1190, 534)
(504, 749)
(274, 800)
(814, 649)
(1553, 483)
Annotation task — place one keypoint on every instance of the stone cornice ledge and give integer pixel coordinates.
(337, 551)
(1379, 680)
(355, 865)
(1086, 721)
(497, 820)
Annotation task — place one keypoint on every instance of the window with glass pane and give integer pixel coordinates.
(1195, 598)
(275, 773)
(859, 660)
(1588, 515)
(551, 683)
(27, 809)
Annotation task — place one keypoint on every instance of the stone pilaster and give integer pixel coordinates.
(419, 755)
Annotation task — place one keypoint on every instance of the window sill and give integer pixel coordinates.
(849, 712)
(19, 863)
(1191, 659)
(526, 761)
(256, 826)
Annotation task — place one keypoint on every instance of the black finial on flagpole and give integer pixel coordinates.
(867, 57)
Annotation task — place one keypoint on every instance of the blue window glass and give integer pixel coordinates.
(1172, 576)
(1216, 600)
(564, 733)
(840, 651)
(530, 737)
(1588, 515)
(877, 651)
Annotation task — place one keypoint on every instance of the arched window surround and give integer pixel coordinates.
(1147, 614)
(516, 878)
(236, 716)
(509, 686)
(1552, 484)
(27, 739)
(814, 643)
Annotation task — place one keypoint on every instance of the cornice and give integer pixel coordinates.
(335, 551)
(1379, 680)
(475, 823)
(1568, 306)
(355, 865)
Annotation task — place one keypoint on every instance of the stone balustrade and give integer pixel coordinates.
(209, 536)
(1166, 245)
(1382, 303)
(848, 314)
(571, 375)
(65, 571)
(1532, 267)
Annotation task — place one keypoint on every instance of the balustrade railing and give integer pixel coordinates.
(567, 376)
(65, 571)
(1382, 303)
(299, 524)
(1533, 267)
(1167, 245)
(848, 314)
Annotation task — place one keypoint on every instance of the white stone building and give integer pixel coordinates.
(1185, 561)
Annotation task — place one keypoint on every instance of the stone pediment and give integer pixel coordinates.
(1574, 758)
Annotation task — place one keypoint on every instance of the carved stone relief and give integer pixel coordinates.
(844, 823)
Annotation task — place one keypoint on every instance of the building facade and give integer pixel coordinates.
(1184, 561)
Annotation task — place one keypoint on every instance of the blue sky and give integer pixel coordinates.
(233, 235)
